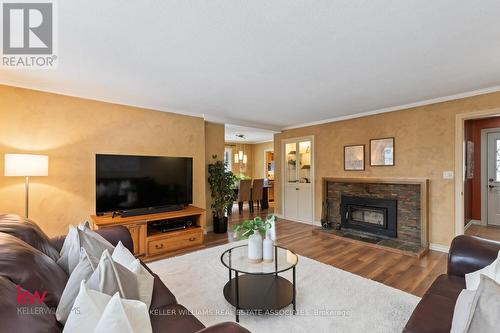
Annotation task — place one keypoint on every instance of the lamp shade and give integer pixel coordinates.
(26, 165)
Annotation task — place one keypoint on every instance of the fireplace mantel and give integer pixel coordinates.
(379, 180)
(424, 188)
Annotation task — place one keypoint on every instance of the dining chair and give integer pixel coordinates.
(245, 194)
(257, 193)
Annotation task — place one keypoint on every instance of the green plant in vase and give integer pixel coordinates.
(254, 230)
(249, 227)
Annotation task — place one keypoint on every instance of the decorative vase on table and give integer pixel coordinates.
(267, 249)
(255, 248)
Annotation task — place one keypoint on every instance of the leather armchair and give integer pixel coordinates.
(468, 254)
(434, 312)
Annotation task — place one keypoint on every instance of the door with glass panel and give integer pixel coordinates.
(493, 202)
(298, 180)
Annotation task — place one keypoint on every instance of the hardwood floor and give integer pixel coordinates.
(490, 232)
(396, 270)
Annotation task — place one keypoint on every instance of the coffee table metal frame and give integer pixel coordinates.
(237, 278)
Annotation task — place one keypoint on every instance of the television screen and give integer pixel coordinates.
(133, 182)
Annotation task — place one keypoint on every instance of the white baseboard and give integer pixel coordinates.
(439, 247)
(209, 228)
(472, 222)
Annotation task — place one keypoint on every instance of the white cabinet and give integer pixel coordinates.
(298, 180)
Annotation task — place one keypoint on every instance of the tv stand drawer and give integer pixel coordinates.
(174, 242)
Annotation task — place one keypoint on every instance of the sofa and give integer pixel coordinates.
(27, 259)
(434, 312)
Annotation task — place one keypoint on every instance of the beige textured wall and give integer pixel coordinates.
(424, 147)
(214, 145)
(71, 131)
(259, 158)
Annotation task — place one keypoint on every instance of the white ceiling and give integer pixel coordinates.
(252, 135)
(276, 63)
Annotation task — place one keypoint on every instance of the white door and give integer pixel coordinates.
(494, 178)
(298, 177)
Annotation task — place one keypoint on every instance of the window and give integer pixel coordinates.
(228, 153)
(497, 163)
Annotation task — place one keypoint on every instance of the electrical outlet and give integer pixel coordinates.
(448, 174)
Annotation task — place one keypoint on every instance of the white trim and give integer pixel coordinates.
(439, 247)
(460, 159)
(223, 120)
(152, 107)
(209, 228)
(400, 107)
(229, 149)
(266, 141)
(472, 222)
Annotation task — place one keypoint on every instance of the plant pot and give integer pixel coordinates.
(220, 224)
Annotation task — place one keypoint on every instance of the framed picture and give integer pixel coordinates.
(382, 152)
(354, 158)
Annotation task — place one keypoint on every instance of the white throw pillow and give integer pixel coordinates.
(145, 280)
(124, 316)
(94, 243)
(485, 309)
(462, 311)
(110, 277)
(70, 251)
(79, 237)
(97, 312)
(122, 255)
(87, 310)
(82, 272)
(492, 271)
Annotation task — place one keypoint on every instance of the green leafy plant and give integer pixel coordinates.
(249, 227)
(221, 182)
(242, 176)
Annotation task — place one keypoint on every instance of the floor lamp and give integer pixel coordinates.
(26, 165)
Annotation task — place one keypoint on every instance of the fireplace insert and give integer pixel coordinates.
(373, 215)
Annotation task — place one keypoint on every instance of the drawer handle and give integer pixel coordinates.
(159, 246)
(192, 239)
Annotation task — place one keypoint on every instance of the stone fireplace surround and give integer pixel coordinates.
(411, 195)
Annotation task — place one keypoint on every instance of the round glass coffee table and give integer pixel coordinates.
(258, 287)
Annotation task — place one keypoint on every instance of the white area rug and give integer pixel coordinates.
(328, 299)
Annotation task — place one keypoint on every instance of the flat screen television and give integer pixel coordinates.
(126, 183)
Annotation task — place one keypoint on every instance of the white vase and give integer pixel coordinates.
(272, 230)
(255, 248)
(267, 249)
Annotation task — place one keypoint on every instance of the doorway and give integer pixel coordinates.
(477, 184)
(269, 172)
(298, 176)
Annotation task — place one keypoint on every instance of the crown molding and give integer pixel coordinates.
(400, 107)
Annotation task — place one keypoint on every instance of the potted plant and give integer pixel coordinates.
(254, 230)
(221, 182)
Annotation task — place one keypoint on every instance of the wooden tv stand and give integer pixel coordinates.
(150, 244)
